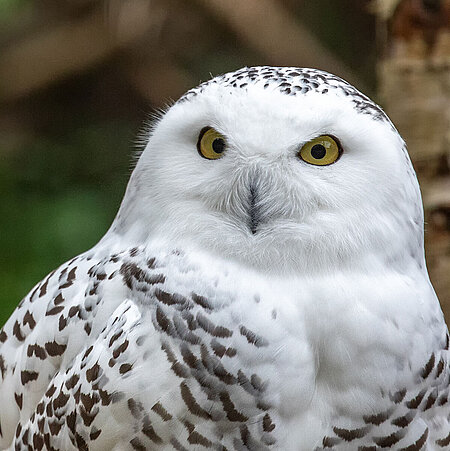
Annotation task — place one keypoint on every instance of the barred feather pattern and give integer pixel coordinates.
(118, 352)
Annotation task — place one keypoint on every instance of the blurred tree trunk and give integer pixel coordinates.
(414, 88)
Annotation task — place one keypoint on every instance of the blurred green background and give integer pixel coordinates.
(80, 78)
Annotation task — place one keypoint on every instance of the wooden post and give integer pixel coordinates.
(414, 88)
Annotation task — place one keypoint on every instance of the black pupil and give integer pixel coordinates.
(218, 145)
(318, 151)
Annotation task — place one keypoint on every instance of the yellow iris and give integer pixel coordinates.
(211, 144)
(321, 151)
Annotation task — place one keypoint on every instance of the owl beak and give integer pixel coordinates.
(253, 211)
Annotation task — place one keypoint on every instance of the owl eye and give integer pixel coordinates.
(211, 144)
(321, 151)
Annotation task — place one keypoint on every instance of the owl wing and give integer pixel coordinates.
(49, 328)
(87, 405)
(133, 358)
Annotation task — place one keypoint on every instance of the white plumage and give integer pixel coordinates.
(253, 299)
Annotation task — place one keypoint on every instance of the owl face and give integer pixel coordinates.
(290, 169)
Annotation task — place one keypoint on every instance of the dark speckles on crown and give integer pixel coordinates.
(293, 81)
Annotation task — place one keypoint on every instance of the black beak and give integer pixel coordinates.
(253, 210)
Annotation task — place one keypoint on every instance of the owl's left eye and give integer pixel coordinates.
(321, 151)
(211, 144)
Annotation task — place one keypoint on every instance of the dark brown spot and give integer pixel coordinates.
(431, 400)
(17, 332)
(43, 288)
(87, 352)
(72, 381)
(137, 444)
(93, 373)
(163, 321)
(397, 397)
(62, 323)
(49, 410)
(390, 440)
(150, 432)
(377, 419)
(70, 278)
(177, 445)
(201, 301)
(87, 417)
(440, 367)
(55, 349)
(131, 271)
(351, 434)
(230, 410)
(253, 338)
(428, 367)
(59, 299)
(161, 411)
(135, 407)
(169, 353)
(88, 401)
(81, 443)
(172, 298)
(418, 444)
(211, 328)
(191, 402)
(3, 336)
(197, 439)
(19, 400)
(442, 400)
(41, 424)
(40, 408)
(120, 349)
(54, 310)
(105, 397)
(330, 442)
(125, 367)
(50, 391)
(38, 441)
(154, 279)
(218, 348)
(403, 421)
(60, 400)
(88, 328)
(37, 350)
(71, 421)
(443, 441)
(95, 433)
(415, 402)
(28, 376)
(2, 366)
(74, 310)
(29, 319)
(268, 425)
(189, 358)
(115, 337)
(54, 427)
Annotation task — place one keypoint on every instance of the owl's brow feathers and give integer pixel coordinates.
(293, 81)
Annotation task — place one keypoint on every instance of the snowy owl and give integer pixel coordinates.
(263, 287)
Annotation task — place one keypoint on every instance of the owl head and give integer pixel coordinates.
(284, 169)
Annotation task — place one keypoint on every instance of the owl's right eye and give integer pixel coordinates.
(211, 144)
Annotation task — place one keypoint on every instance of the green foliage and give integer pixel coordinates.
(59, 196)
(10, 8)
